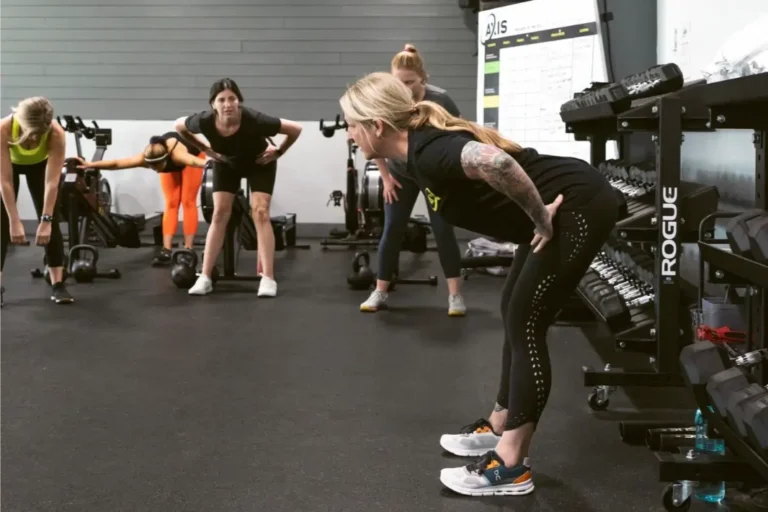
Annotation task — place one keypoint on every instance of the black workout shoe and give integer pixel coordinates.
(60, 295)
(162, 258)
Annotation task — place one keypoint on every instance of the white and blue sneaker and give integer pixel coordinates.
(488, 477)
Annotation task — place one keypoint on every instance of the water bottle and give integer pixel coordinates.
(710, 492)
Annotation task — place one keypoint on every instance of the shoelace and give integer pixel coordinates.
(481, 464)
(482, 422)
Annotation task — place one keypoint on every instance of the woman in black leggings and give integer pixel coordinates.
(559, 210)
(34, 145)
(401, 192)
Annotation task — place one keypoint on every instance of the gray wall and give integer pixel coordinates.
(104, 59)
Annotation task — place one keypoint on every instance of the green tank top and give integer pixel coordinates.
(23, 156)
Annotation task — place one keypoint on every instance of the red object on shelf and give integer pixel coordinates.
(720, 335)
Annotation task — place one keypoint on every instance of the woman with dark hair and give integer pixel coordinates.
(239, 147)
(408, 66)
(33, 144)
(559, 210)
(181, 173)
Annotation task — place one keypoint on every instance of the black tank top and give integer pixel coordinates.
(170, 165)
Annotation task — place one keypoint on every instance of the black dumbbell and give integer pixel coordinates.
(756, 421)
(700, 361)
(748, 235)
(737, 401)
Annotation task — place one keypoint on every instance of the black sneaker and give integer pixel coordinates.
(60, 295)
(162, 258)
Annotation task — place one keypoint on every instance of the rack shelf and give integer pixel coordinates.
(723, 259)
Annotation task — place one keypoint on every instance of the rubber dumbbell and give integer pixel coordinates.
(758, 239)
(737, 401)
(722, 385)
(700, 361)
(747, 234)
(756, 421)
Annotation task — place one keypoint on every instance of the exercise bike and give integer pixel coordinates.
(363, 205)
(240, 234)
(85, 201)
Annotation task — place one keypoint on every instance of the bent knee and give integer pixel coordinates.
(220, 216)
(260, 214)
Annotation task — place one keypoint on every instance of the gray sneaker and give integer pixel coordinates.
(456, 306)
(377, 301)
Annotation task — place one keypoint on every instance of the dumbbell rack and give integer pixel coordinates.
(742, 103)
(665, 117)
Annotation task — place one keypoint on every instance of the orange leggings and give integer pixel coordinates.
(180, 188)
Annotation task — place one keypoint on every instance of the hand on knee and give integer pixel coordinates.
(261, 215)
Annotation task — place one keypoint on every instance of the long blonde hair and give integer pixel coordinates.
(381, 96)
(34, 116)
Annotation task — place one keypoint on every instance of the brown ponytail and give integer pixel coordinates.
(428, 113)
(410, 59)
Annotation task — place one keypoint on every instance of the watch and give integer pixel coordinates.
(46, 218)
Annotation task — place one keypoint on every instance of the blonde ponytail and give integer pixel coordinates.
(381, 96)
(429, 113)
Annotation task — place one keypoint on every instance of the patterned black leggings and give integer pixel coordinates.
(535, 290)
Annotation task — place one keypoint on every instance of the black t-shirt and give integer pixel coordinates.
(434, 160)
(243, 146)
(170, 165)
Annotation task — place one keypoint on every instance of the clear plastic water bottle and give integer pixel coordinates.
(710, 492)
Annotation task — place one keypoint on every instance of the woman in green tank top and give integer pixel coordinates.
(32, 144)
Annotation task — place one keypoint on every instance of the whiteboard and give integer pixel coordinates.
(533, 57)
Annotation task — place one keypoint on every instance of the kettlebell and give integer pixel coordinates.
(362, 277)
(83, 269)
(184, 271)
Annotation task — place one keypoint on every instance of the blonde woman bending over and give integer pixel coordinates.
(559, 210)
(34, 145)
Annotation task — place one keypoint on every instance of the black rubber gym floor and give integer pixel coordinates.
(141, 398)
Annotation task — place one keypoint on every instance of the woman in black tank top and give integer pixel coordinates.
(179, 165)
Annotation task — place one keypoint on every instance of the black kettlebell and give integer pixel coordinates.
(82, 267)
(184, 271)
(362, 277)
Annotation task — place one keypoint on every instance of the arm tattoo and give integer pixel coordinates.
(501, 171)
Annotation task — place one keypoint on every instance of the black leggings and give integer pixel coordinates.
(534, 293)
(54, 251)
(396, 217)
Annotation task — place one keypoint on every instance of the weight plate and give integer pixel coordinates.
(373, 188)
(206, 192)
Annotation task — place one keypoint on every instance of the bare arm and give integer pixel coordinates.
(6, 173)
(181, 156)
(188, 136)
(502, 172)
(291, 130)
(113, 165)
(57, 149)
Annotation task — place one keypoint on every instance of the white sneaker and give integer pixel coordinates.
(268, 287)
(472, 440)
(202, 286)
(377, 301)
(488, 477)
